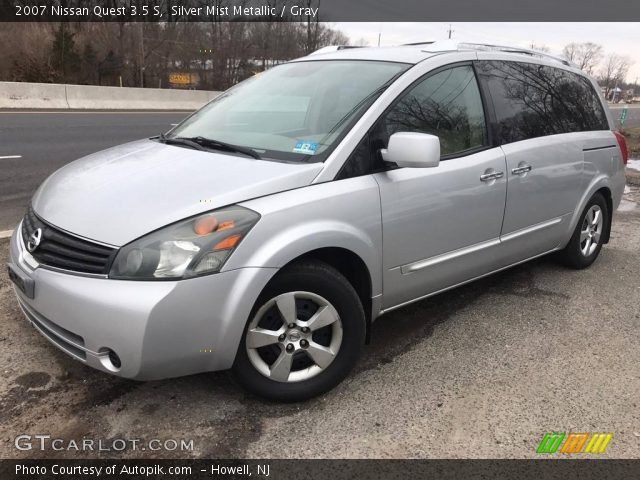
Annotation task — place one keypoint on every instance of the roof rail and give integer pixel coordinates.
(507, 49)
(333, 48)
(428, 42)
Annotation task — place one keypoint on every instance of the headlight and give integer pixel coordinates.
(189, 248)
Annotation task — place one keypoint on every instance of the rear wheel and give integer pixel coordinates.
(586, 242)
(305, 334)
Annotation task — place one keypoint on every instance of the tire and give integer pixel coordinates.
(587, 239)
(325, 312)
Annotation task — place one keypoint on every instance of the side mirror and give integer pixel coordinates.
(413, 150)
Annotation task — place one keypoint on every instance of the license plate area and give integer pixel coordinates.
(25, 284)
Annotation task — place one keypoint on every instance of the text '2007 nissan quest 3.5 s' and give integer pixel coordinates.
(267, 231)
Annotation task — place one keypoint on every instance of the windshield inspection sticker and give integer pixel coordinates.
(303, 146)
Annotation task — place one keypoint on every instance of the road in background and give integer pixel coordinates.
(633, 114)
(45, 141)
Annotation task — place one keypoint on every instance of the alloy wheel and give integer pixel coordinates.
(294, 337)
(591, 230)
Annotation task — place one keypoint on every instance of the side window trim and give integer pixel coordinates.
(490, 117)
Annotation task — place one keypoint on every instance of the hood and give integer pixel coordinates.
(123, 193)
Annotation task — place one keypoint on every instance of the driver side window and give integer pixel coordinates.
(446, 104)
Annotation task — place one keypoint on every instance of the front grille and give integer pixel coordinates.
(59, 249)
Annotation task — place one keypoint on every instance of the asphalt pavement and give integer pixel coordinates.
(483, 371)
(34, 144)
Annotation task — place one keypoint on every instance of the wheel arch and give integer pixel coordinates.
(600, 184)
(353, 268)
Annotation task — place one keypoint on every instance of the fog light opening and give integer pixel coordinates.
(110, 359)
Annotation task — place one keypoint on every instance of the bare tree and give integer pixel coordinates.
(587, 55)
(216, 54)
(614, 71)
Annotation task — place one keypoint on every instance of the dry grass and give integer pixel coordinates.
(633, 141)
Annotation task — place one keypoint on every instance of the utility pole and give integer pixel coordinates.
(141, 54)
(450, 31)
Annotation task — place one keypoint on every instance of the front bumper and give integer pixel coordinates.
(158, 329)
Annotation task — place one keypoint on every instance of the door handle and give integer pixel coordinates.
(520, 170)
(491, 176)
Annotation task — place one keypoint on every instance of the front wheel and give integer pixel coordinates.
(586, 242)
(305, 334)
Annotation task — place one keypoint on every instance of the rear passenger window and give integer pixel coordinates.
(533, 100)
(446, 104)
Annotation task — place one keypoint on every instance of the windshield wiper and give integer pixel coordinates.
(217, 144)
(180, 141)
(202, 143)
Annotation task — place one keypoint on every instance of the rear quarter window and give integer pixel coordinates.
(532, 100)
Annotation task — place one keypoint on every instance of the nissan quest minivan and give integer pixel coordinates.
(267, 231)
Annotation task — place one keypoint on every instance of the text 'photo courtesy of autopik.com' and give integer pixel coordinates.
(319, 239)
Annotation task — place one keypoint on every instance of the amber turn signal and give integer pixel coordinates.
(227, 243)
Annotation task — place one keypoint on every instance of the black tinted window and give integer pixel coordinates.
(363, 161)
(536, 100)
(446, 104)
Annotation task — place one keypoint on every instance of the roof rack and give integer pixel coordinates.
(507, 49)
(429, 42)
(452, 45)
(333, 48)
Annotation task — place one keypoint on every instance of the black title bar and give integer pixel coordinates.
(548, 468)
(318, 10)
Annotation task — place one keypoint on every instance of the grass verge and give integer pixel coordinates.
(633, 141)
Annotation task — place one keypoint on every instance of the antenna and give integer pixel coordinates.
(450, 31)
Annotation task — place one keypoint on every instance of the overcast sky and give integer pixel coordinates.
(620, 38)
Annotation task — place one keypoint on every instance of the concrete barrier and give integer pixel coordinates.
(32, 95)
(14, 95)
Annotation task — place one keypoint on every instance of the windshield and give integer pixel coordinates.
(293, 112)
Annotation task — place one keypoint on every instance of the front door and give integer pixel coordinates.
(441, 225)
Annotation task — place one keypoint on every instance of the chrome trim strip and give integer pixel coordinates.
(531, 229)
(25, 259)
(394, 307)
(445, 257)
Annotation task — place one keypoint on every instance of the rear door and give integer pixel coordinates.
(539, 112)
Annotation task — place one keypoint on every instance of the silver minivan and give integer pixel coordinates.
(268, 230)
